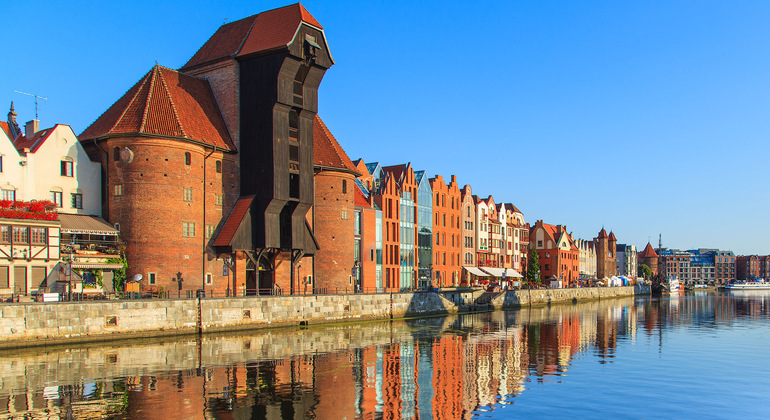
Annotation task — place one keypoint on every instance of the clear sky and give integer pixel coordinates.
(644, 117)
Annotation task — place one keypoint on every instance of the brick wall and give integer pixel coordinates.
(334, 217)
(151, 210)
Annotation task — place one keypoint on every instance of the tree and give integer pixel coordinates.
(533, 266)
(645, 271)
(119, 279)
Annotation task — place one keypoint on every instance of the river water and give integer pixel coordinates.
(700, 355)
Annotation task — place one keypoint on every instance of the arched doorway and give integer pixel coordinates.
(265, 277)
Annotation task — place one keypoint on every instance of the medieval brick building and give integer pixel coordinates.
(606, 255)
(210, 171)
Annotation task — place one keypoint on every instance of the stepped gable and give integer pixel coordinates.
(165, 103)
(648, 252)
(266, 31)
(327, 152)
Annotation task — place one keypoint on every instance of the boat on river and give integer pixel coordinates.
(749, 285)
(673, 284)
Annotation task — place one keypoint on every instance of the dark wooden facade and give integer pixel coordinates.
(278, 101)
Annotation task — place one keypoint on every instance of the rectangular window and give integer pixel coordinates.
(209, 278)
(20, 235)
(9, 195)
(358, 223)
(5, 234)
(56, 198)
(188, 194)
(188, 229)
(151, 278)
(209, 231)
(77, 201)
(119, 189)
(38, 235)
(344, 215)
(66, 168)
(1, 163)
(219, 199)
(4, 284)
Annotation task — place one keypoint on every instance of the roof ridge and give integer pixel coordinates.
(173, 105)
(149, 98)
(128, 106)
(243, 41)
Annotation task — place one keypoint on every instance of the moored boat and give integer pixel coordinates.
(749, 285)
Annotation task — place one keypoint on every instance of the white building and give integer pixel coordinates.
(48, 164)
(627, 262)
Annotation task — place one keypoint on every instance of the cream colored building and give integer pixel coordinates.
(586, 258)
(55, 167)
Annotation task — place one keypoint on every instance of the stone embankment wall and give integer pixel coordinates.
(43, 324)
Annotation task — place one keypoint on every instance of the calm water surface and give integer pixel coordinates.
(692, 356)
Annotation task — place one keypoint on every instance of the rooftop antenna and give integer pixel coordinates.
(660, 241)
(36, 96)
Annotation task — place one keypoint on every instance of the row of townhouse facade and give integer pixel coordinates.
(431, 233)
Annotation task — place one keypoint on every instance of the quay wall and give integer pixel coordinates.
(34, 324)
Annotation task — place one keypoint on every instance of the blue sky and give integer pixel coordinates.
(644, 117)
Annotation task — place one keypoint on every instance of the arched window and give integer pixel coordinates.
(187, 158)
(218, 166)
(116, 154)
(344, 186)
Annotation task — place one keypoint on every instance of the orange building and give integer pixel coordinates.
(447, 231)
(649, 257)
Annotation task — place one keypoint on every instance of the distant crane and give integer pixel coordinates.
(36, 97)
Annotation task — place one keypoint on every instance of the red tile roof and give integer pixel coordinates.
(6, 129)
(234, 219)
(648, 252)
(396, 170)
(327, 151)
(602, 233)
(165, 102)
(33, 143)
(360, 200)
(612, 236)
(265, 31)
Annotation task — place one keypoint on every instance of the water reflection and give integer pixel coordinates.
(443, 368)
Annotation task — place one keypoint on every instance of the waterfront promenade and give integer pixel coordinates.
(38, 324)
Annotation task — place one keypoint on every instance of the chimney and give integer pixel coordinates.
(31, 128)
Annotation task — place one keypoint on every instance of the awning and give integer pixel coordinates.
(476, 271)
(494, 271)
(78, 223)
(100, 266)
(509, 272)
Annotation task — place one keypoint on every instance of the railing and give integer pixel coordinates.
(194, 294)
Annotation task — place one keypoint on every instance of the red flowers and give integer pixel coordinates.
(38, 210)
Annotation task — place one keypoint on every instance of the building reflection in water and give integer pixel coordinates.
(441, 368)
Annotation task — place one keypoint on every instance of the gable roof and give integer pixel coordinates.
(602, 233)
(360, 200)
(327, 152)
(266, 31)
(396, 170)
(612, 236)
(34, 142)
(165, 103)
